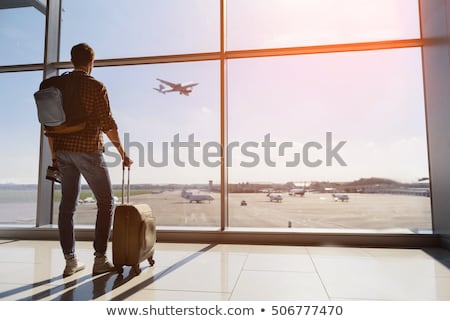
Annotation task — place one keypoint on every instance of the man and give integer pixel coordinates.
(81, 153)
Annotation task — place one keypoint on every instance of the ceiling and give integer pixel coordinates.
(9, 4)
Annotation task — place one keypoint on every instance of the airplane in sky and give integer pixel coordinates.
(183, 89)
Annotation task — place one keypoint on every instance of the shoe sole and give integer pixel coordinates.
(103, 272)
(69, 274)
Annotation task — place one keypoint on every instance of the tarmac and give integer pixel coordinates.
(314, 210)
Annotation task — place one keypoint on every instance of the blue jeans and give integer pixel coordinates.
(93, 168)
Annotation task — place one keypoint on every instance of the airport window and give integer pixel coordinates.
(345, 127)
(20, 148)
(297, 23)
(172, 137)
(140, 27)
(333, 141)
(21, 43)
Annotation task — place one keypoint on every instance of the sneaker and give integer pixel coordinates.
(72, 266)
(102, 265)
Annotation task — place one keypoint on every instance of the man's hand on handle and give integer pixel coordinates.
(126, 161)
(113, 136)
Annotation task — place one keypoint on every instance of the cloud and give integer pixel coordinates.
(206, 110)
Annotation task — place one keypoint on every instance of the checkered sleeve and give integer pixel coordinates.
(104, 114)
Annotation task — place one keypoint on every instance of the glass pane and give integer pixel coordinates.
(22, 36)
(292, 23)
(140, 27)
(172, 138)
(19, 163)
(343, 123)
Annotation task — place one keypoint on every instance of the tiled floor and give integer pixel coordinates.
(31, 270)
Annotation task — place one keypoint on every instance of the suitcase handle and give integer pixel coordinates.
(123, 185)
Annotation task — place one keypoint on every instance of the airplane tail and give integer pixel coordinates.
(160, 89)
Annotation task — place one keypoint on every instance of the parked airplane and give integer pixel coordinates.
(196, 197)
(183, 89)
(340, 197)
(297, 191)
(275, 197)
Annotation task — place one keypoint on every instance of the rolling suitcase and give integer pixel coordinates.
(134, 234)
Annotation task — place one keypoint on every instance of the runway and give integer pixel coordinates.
(314, 210)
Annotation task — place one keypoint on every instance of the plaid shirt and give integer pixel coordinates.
(94, 98)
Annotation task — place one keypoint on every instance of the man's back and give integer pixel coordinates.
(93, 99)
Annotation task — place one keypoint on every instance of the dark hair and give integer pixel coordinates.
(82, 54)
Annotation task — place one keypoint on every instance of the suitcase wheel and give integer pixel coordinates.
(137, 269)
(151, 261)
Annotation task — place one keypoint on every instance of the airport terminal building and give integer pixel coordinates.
(279, 128)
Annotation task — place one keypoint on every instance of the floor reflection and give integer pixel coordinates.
(31, 271)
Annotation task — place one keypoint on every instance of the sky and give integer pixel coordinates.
(369, 102)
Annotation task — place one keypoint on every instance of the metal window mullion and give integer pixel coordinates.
(224, 218)
(308, 50)
(44, 209)
(235, 54)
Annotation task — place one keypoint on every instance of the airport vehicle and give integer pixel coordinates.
(275, 197)
(88, 200)
(198, 198)
(183, 89)
(297, 191)
(340, 197)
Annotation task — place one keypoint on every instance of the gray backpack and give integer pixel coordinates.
(59, 105)
(49, 103)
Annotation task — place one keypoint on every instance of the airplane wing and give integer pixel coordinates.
(169, 90)
(190, 85)
(168, 83)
